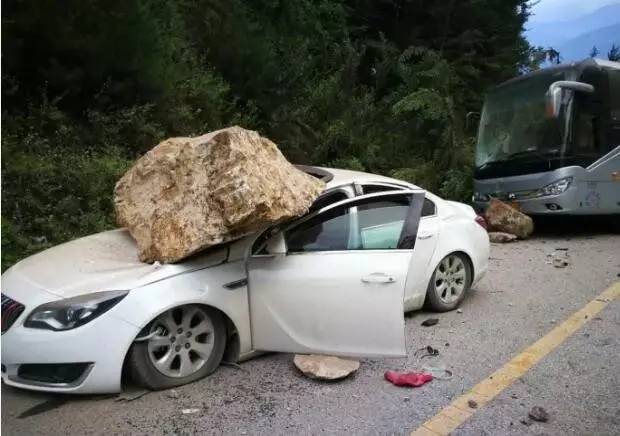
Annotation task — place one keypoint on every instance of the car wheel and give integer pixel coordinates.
(184, 344)
(449, 283)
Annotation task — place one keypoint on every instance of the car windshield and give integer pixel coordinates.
(513, 123)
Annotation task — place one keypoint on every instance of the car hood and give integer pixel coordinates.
(101, 262)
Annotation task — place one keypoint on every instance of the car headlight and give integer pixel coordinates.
(73, 312)
(555, 188)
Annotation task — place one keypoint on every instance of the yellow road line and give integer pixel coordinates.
(458, 411)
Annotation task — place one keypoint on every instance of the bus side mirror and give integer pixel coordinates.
(556, 95)
(553, 100)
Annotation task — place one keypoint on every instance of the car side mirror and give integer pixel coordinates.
(276, 244)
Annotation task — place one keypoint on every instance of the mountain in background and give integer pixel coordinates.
(574, 38)
(564, 10)
(580, 47)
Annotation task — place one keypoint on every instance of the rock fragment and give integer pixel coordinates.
(502, 217)
(325, 367)
(539, 414)
(501, 237)
(429, 322)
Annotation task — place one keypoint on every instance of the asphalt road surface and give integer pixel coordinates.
(521, 300)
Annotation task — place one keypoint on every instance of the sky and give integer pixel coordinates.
(561, 10)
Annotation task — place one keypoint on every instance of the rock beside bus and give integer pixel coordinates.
(187, 194)
(501, 237)
(502, 217)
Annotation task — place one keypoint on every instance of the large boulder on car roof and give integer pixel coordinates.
(187, 194)
(502, 217)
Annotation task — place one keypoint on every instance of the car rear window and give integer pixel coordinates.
(428, 209)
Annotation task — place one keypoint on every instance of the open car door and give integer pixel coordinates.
(333, 281)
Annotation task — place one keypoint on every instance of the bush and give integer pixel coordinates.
(54, 197)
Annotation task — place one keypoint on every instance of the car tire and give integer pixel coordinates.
(449, 283)
(184, 344)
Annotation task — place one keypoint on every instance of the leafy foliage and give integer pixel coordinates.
(381, 86)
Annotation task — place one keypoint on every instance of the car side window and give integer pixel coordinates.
(324, 200)
(370, 224)
(428, 208)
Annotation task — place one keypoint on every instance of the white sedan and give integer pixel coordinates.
(335, 281)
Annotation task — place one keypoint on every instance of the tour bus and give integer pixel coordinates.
(550, 141)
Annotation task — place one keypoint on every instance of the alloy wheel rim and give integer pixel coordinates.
(450, 279)
(183, 343)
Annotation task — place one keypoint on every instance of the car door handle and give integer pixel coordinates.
(425, 235)
(378, 277)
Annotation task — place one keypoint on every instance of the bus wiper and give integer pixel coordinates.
(531, 152)
(490, 162)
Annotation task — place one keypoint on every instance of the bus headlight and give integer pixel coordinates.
(478, 196)
(555, 188)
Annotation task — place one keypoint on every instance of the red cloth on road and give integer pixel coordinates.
(411, 379)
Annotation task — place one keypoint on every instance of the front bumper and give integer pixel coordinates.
(101, 344)
(563, 204)
(480, 256)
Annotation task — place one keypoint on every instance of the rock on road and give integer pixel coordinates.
(521, 299)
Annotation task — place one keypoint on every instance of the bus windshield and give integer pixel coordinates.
(513, 124)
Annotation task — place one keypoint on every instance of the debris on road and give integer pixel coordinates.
(538, 414)
(559, 258)
(502, 217)
(501, 237)
(438, 372)
(428, 351)
(407, 379)
(131, 395)
(472, 404)
(172, 394)
(431, 351)
(459, 310)
(429, 322)
(187, 194)
(325, 367)
(189, 411)
(233, 365)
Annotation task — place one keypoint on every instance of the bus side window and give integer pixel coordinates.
(614, 108)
